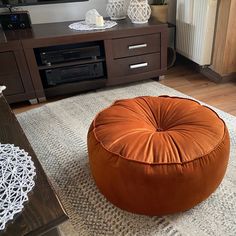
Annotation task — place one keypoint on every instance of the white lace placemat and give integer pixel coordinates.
(81, 25)
(17, 172)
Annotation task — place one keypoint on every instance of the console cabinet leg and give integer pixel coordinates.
(42, 99)
(161, 77)
(33, 101)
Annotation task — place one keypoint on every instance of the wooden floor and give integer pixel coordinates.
(185, 79)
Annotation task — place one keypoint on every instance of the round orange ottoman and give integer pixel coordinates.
(157, 155)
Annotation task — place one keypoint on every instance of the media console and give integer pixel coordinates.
(58, 60)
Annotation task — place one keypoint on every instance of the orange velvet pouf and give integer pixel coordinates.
(157, 155)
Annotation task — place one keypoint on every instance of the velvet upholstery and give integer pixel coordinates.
(157, 155)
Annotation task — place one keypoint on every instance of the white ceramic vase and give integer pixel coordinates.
(117, 9)
(139, 11)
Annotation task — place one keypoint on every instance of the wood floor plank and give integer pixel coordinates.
(186, 80)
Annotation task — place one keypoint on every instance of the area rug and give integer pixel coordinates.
(57, 132)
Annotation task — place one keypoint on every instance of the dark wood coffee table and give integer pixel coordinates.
(44, 211)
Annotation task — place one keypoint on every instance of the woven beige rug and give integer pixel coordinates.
(57, 132)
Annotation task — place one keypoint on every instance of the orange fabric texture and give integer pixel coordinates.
(157, 155)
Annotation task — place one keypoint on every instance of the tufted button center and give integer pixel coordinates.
(159, 129)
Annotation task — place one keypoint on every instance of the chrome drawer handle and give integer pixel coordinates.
(145, 64)
(144, 45)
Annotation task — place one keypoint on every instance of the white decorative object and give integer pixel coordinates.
(16, 181)
(81, 25)
(139, 11)
(2, 88)
(99, 21)
(90, 17)
(117, 9)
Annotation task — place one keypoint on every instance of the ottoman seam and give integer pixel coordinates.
(173, 163)
(180, 163)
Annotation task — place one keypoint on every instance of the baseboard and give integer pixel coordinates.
(206, 71)
(215, 77)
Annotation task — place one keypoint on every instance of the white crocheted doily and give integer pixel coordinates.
(17, 171)
(81, 25)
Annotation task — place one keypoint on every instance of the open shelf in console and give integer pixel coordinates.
(73, 88)
(71, 63)
(71, 68)
(61, 54)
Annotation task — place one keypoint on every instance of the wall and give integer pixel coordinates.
(76, 11)
(64, 11)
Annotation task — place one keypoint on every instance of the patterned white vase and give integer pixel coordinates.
(139, 11)
(117, 9)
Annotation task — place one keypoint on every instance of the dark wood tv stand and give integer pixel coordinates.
(132, 52)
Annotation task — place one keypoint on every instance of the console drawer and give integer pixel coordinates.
(132, 46)
(136, 65)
